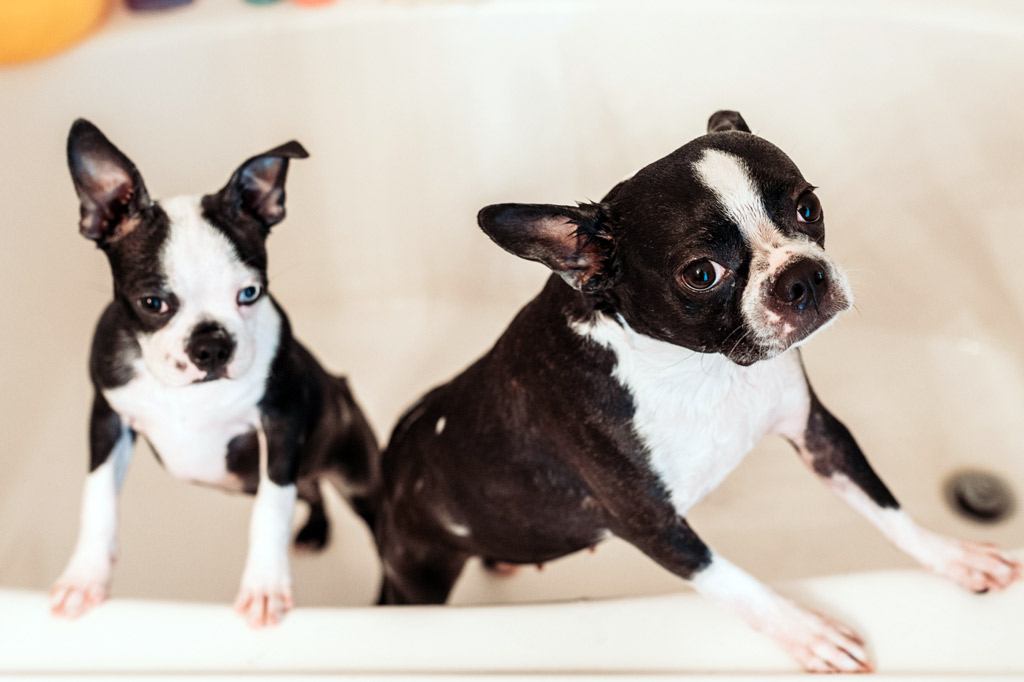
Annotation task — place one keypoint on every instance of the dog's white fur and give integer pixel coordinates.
(266, 592)
(85, 581)
(698, 414)
(818, 643)
(729, 179)
(978, 567)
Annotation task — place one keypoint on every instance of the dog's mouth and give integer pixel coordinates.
(214, 375)
(771, 335)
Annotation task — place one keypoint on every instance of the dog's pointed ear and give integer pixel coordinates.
(256, 189)
(109, 186)
(724, 120)
(574, 241)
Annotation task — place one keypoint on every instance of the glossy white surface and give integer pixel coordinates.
(907, 614)
(906, 114)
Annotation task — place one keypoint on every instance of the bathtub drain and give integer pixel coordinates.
(980, 496)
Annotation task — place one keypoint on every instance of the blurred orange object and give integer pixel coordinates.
(313, 3)
(30, 29)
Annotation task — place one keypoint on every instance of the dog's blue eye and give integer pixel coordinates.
(248, 295)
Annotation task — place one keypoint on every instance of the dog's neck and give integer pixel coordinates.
(596, 319)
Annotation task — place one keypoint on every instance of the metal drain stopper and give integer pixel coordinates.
(980, 496)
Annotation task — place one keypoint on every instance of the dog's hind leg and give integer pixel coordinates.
(366, 508)
(415, 571)
(353, 461)
(316, 532)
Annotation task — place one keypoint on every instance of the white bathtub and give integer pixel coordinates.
(909, 115)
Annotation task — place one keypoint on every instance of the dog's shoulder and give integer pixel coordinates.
(114, 350)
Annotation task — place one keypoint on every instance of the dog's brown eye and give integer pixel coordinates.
(808, 208)
(702, 274)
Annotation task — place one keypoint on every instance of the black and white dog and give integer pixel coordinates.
(194, 354)
(660, 351)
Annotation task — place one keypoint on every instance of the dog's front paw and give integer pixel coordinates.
(820, 644)
(82, 586)
(264, 602)
(976, 566)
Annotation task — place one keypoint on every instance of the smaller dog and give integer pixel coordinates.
(195, 355)
(660, 351)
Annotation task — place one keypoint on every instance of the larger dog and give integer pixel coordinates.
(661, 350)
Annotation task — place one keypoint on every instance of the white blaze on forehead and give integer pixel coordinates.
(728, 177)
(197, 256)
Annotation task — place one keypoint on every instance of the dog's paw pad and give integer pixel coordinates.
(823, 645)
(73, 596)
(982, 567)
(263, 606)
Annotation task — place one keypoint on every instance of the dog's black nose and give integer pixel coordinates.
(803, 284)
(210, 347)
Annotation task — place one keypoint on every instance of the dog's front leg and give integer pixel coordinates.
(819, 643)
(85, 582)
(266, 591)
(828, 448)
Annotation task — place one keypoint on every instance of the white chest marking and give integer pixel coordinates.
(698, 414)
(190, 426)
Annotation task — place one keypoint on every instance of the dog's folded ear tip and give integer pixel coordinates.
(725, 120)
(256, 188)
(294, 150)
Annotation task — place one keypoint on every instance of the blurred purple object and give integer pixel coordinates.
(155, 4)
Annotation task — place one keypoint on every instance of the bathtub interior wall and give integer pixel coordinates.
(418, 114)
